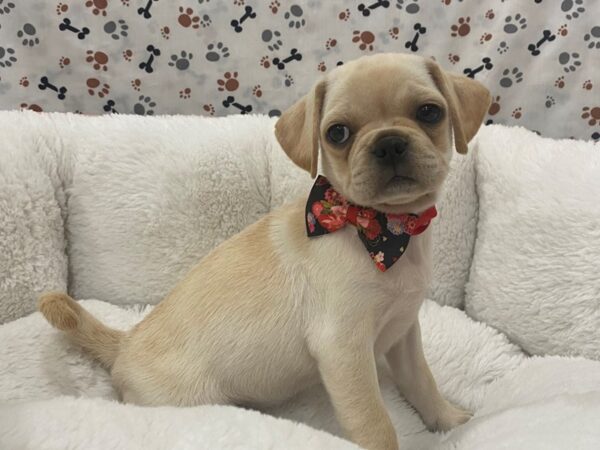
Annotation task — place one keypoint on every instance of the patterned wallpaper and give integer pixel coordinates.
(540, 58)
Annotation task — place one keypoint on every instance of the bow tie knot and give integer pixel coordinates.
(384, 235)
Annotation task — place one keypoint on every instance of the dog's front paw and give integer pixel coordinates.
(448, 417)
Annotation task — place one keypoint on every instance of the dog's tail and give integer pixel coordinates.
(67, 315)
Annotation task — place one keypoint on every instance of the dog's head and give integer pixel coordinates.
(385, 125)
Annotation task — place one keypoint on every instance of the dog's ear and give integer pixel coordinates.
(297, 130)
(468, 101)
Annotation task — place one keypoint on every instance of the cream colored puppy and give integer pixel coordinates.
(271, 311)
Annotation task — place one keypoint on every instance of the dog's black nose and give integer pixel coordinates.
(390, 149)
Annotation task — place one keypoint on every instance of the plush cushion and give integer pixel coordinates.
(535, 267)
(32, 242)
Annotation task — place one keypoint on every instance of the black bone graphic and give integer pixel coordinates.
(366, 10)
(145, 11)
(230, 101)
(486, 64)
(294, 56)
(66, 25)
(110, 107)
(237, 24)
(45, 84)
(547, 36)
(412, 45)
(147, 65)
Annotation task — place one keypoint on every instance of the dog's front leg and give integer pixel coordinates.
(347, 367)
(415, 381)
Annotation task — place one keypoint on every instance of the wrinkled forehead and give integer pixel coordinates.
(380, 85)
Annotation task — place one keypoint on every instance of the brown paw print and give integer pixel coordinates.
(495, 106)
(229, 83)
(563, 31)
(98, 60)
(485, 37)
(453, 58)
(165, 32)
(517, 113)
(257, 91)
(331, 42)
(560, 82)
(321, 67)
(364, 39)
(344, 15)
(61, 8)
(265, 62)
(95, 87)
(591, 113)
(24, 82)
(63, 62)
(462, 28)
(185, 93)
(187, 18)
(127, 55)
(136, 84)
(274, 6)
(394, 32)
(32, 107)
(97, 6)
(210, 109)
(489, 14)
(587, 85)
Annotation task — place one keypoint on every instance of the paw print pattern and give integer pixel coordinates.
(187, 18)
(569, 61)
(288, 81)
(98, 60)
(587, 85)
(181, 61)
(485, 37)
(453, 58)
(272, 38)
(572, 8)
(550, 102)
(410, 6)
(216, 51)
(116, 29)
(24, 82)
(321, 67)
(514, 24)
(257, 91)
(592, 38)
(97, 6)
(61, 8)
(144, 106)
(7, 58)
(331, 42)
(274, 6)
(363, 39)
(294, 17)
(461, 28)
(509, 77)
(502, 47)
(560, 82)
(344, 15)
(517, 113)
(27, 33)
(185, 93)
(6, 8)
(495, 106)
(210, 109)
(96, 87)
(229, 82)
(63, 62)
(591, 114)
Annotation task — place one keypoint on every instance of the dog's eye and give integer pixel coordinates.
(429, 113)
(338, 133)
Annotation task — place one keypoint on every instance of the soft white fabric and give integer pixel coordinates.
(39, 365)
(145, 198)
(535, 269)
(32, 241)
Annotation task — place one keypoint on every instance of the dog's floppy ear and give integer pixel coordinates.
(468, 101)
(297, 130)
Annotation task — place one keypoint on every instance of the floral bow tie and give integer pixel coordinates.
(384, 235)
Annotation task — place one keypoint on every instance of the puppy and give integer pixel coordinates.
(272, 310)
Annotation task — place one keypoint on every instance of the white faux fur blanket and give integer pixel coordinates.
(54, 397)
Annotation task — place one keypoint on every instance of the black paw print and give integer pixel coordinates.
(144, 106)
(216, 51)
(410, 6)
(569, 61)
(181, 62)
(28, 34)
(593, 37)
(272, 38)
(572, 8)
(6, 8)
(117, 29)
(6, 57)
(550, 102)
(511, 76)
(502, 47)
(294, 16)
(513, 24)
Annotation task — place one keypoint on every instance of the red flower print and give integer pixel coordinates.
(367, 222)
(334, 197)
(310, 219)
